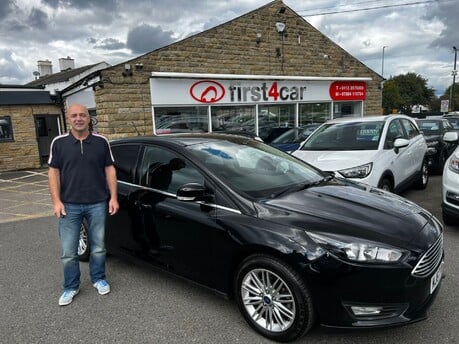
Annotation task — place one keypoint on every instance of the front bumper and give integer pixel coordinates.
(342, 290)
(450, 190)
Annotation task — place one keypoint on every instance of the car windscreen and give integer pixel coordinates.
(346, 136)
(253, 168)
(429, 127)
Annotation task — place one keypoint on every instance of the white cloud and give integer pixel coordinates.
(419, 38)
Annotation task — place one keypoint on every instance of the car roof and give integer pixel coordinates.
(182, 139)
(366, 118)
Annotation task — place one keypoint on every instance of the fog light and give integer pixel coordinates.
(452, 198)
(362, 310)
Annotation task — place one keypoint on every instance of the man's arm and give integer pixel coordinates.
(54, 182)
(110, 174)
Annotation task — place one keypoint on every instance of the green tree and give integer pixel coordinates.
(447, 95)
(391, 99)
(412, 90)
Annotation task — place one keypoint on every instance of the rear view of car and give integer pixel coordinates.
(450, 184)
(438, 150)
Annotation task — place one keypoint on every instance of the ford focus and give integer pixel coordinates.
(292, 245)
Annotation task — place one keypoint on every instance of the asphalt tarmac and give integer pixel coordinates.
(149, 306)
(24, 195)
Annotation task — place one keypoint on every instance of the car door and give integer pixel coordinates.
(416, 150)
(398, 159)
(175, 234)
(121, 234)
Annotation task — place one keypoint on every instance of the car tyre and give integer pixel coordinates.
(273, 298)
(83, 243)
(386, 185)
(423, 179)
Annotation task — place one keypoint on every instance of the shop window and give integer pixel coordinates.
(93, 124)
(314, 113)
(274, 120)
(6, 129)
(347, 109)
(233, 119)
(181, 119)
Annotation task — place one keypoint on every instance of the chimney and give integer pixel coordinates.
(66, 63)
(45, 67)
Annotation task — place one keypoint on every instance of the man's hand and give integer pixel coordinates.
(59, 209)
(113, 206)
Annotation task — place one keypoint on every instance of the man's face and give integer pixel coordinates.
(78, 118)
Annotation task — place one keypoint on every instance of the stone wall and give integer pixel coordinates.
(22, 153)
(123, 104)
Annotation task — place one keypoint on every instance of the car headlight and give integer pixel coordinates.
(362, 171)
(358, 250)
(454, 163)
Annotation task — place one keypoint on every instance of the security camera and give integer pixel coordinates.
(280, 27)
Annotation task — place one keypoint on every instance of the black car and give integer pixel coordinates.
(438, 150)
(293, 245)
(453, 119)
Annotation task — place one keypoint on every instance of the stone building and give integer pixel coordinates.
(265, 70)
(29, 119)
(270, 46)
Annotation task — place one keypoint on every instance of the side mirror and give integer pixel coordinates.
(191, 192)
(451, 137)
(400, 143)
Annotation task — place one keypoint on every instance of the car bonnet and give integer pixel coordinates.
(336, 160)
(353, 210)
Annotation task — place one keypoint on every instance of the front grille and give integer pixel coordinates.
(430, 260)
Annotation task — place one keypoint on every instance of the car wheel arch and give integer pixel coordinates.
(307, 314)
(387, 175)
(254, 250)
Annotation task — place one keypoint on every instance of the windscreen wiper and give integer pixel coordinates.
(302, 186)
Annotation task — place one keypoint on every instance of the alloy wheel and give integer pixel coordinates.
(268, 300)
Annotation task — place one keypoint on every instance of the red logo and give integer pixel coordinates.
(348, 90)
(207, 91)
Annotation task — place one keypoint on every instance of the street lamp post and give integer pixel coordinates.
(382, 63)
(451, 101)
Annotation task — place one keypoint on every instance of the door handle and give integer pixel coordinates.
(142, 205)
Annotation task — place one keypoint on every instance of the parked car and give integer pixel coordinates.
(292, 244)
(453, 119)
(388, 152)
(438, 150)
(291, 139)
(450, 184)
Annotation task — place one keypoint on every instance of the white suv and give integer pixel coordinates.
(388, 152)
(450, 184)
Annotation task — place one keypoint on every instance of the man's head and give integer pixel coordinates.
(78, 117)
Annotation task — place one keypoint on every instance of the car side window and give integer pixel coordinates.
(125, 161)
(165, 170)
(394, 131)
(410, 128)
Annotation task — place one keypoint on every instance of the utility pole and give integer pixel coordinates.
(382, 63)
(451, 100)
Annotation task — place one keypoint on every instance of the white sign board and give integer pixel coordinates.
(444, 105)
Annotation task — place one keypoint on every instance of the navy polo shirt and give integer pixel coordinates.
(82, 167)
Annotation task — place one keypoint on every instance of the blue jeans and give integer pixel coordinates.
(69, 233)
